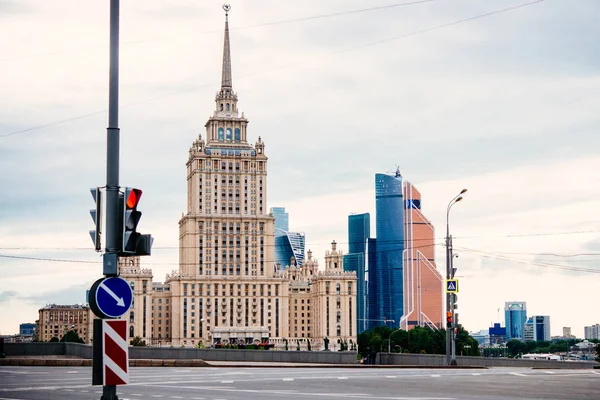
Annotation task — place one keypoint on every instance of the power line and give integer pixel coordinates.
(283, 66)
(280, 22)
(177, 263)
(499, 257)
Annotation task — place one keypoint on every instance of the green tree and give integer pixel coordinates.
(597, 348)
(137, 341)
(53, 339)
(71, 336)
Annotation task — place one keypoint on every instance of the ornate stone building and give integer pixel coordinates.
(56, 320)
(228, 288)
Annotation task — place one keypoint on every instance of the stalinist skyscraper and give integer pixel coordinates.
(228, 289)
(226, 284)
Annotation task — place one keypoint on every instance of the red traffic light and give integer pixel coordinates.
(133, 198)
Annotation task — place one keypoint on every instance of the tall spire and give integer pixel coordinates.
(226, 78)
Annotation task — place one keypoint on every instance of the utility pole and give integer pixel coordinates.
(110, 257)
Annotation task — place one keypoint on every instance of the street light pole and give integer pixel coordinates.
(390, 340)
(450, 343)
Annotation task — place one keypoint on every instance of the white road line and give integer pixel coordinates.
(435, 376)
(84, 391)
(68, 390)
(176, 397)
(287, 379)
(342, 377)
(391, 376)
(135, 394)
(548, 372)
(595, 372)
(226, 381)
(517, 374)
(72, 372)
(476, 374)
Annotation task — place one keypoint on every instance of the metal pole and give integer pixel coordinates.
(112, 165)
(448, 308)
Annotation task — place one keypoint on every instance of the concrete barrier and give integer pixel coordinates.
(435, 360)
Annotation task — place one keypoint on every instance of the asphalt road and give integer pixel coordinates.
(26, 383)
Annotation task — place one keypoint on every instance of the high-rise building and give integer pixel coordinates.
(228, 288)
(359, 230)
(537, 328)
(515, 314)
(289, 248)
(591, 332)
(497, 334)
(423, 283)
(566, 331)
(389, 208)
(282, 219)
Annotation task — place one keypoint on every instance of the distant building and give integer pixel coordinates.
(482, 337)
(289, 248)
(567, 332)
(359, 230)
(282, 219)
(423, 283)
(537, 328)
(515, 316)
(592, 332)
(389, 248)
(26, 329)
(56, 320)
(497, 334)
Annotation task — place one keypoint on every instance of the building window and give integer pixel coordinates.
(221, 132)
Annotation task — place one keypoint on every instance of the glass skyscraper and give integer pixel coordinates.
(288, 245)
(389, 207)
(515, 315)
(359, 230)
(282, 219)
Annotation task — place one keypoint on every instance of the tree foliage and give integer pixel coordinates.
(422, 340)
(71, 336)
(137, 341)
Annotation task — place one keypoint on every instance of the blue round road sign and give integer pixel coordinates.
(110, 297)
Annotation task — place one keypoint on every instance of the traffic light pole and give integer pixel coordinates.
(110, 264)
(449, 332)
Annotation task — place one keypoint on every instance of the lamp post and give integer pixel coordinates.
(390, 340)
(450, 342)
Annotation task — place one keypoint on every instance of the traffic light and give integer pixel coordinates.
(455, 333)
(449, 320)
(455, 301)
(133, 243)
(97, 217)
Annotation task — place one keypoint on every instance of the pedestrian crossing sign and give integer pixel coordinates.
(451, 285)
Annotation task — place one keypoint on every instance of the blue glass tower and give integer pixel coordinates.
(359, 230)
(288, 245)
(515, 314)
(282, 219)
(389, 207)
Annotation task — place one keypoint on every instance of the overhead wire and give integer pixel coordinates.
(414, 33)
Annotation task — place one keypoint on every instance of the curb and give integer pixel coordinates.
(70, 362)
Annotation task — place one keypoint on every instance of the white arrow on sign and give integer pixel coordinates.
(119, 300)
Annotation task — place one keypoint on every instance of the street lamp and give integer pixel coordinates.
(450, 341)
(390, 340)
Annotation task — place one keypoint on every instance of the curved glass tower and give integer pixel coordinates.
(389, 207)
(288, 245)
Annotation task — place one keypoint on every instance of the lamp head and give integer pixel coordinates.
(463, 191)
(459, 199)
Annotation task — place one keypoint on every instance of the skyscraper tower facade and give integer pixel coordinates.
(389, 208)
(227, 285)
(359, 230)
(515, 314)
(423, 283)
(282, 218)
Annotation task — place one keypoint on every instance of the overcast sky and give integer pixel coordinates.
(505, 105)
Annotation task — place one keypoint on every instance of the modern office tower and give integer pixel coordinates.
(497, 334)
(389, 208)
(359, 230)
(515, 315)
(423, 283)
(289, 248)
(372, 285)
(537, 328)
(591, 332)
(282, 219)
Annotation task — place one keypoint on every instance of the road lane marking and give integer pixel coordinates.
(156, 395)
(596, 372)
(548, 372)
(476, 374)
(176, 397)
(435, 376)
(342, 377)
(287, 379)
(517, 374)
(390, 376)
(226, 381)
